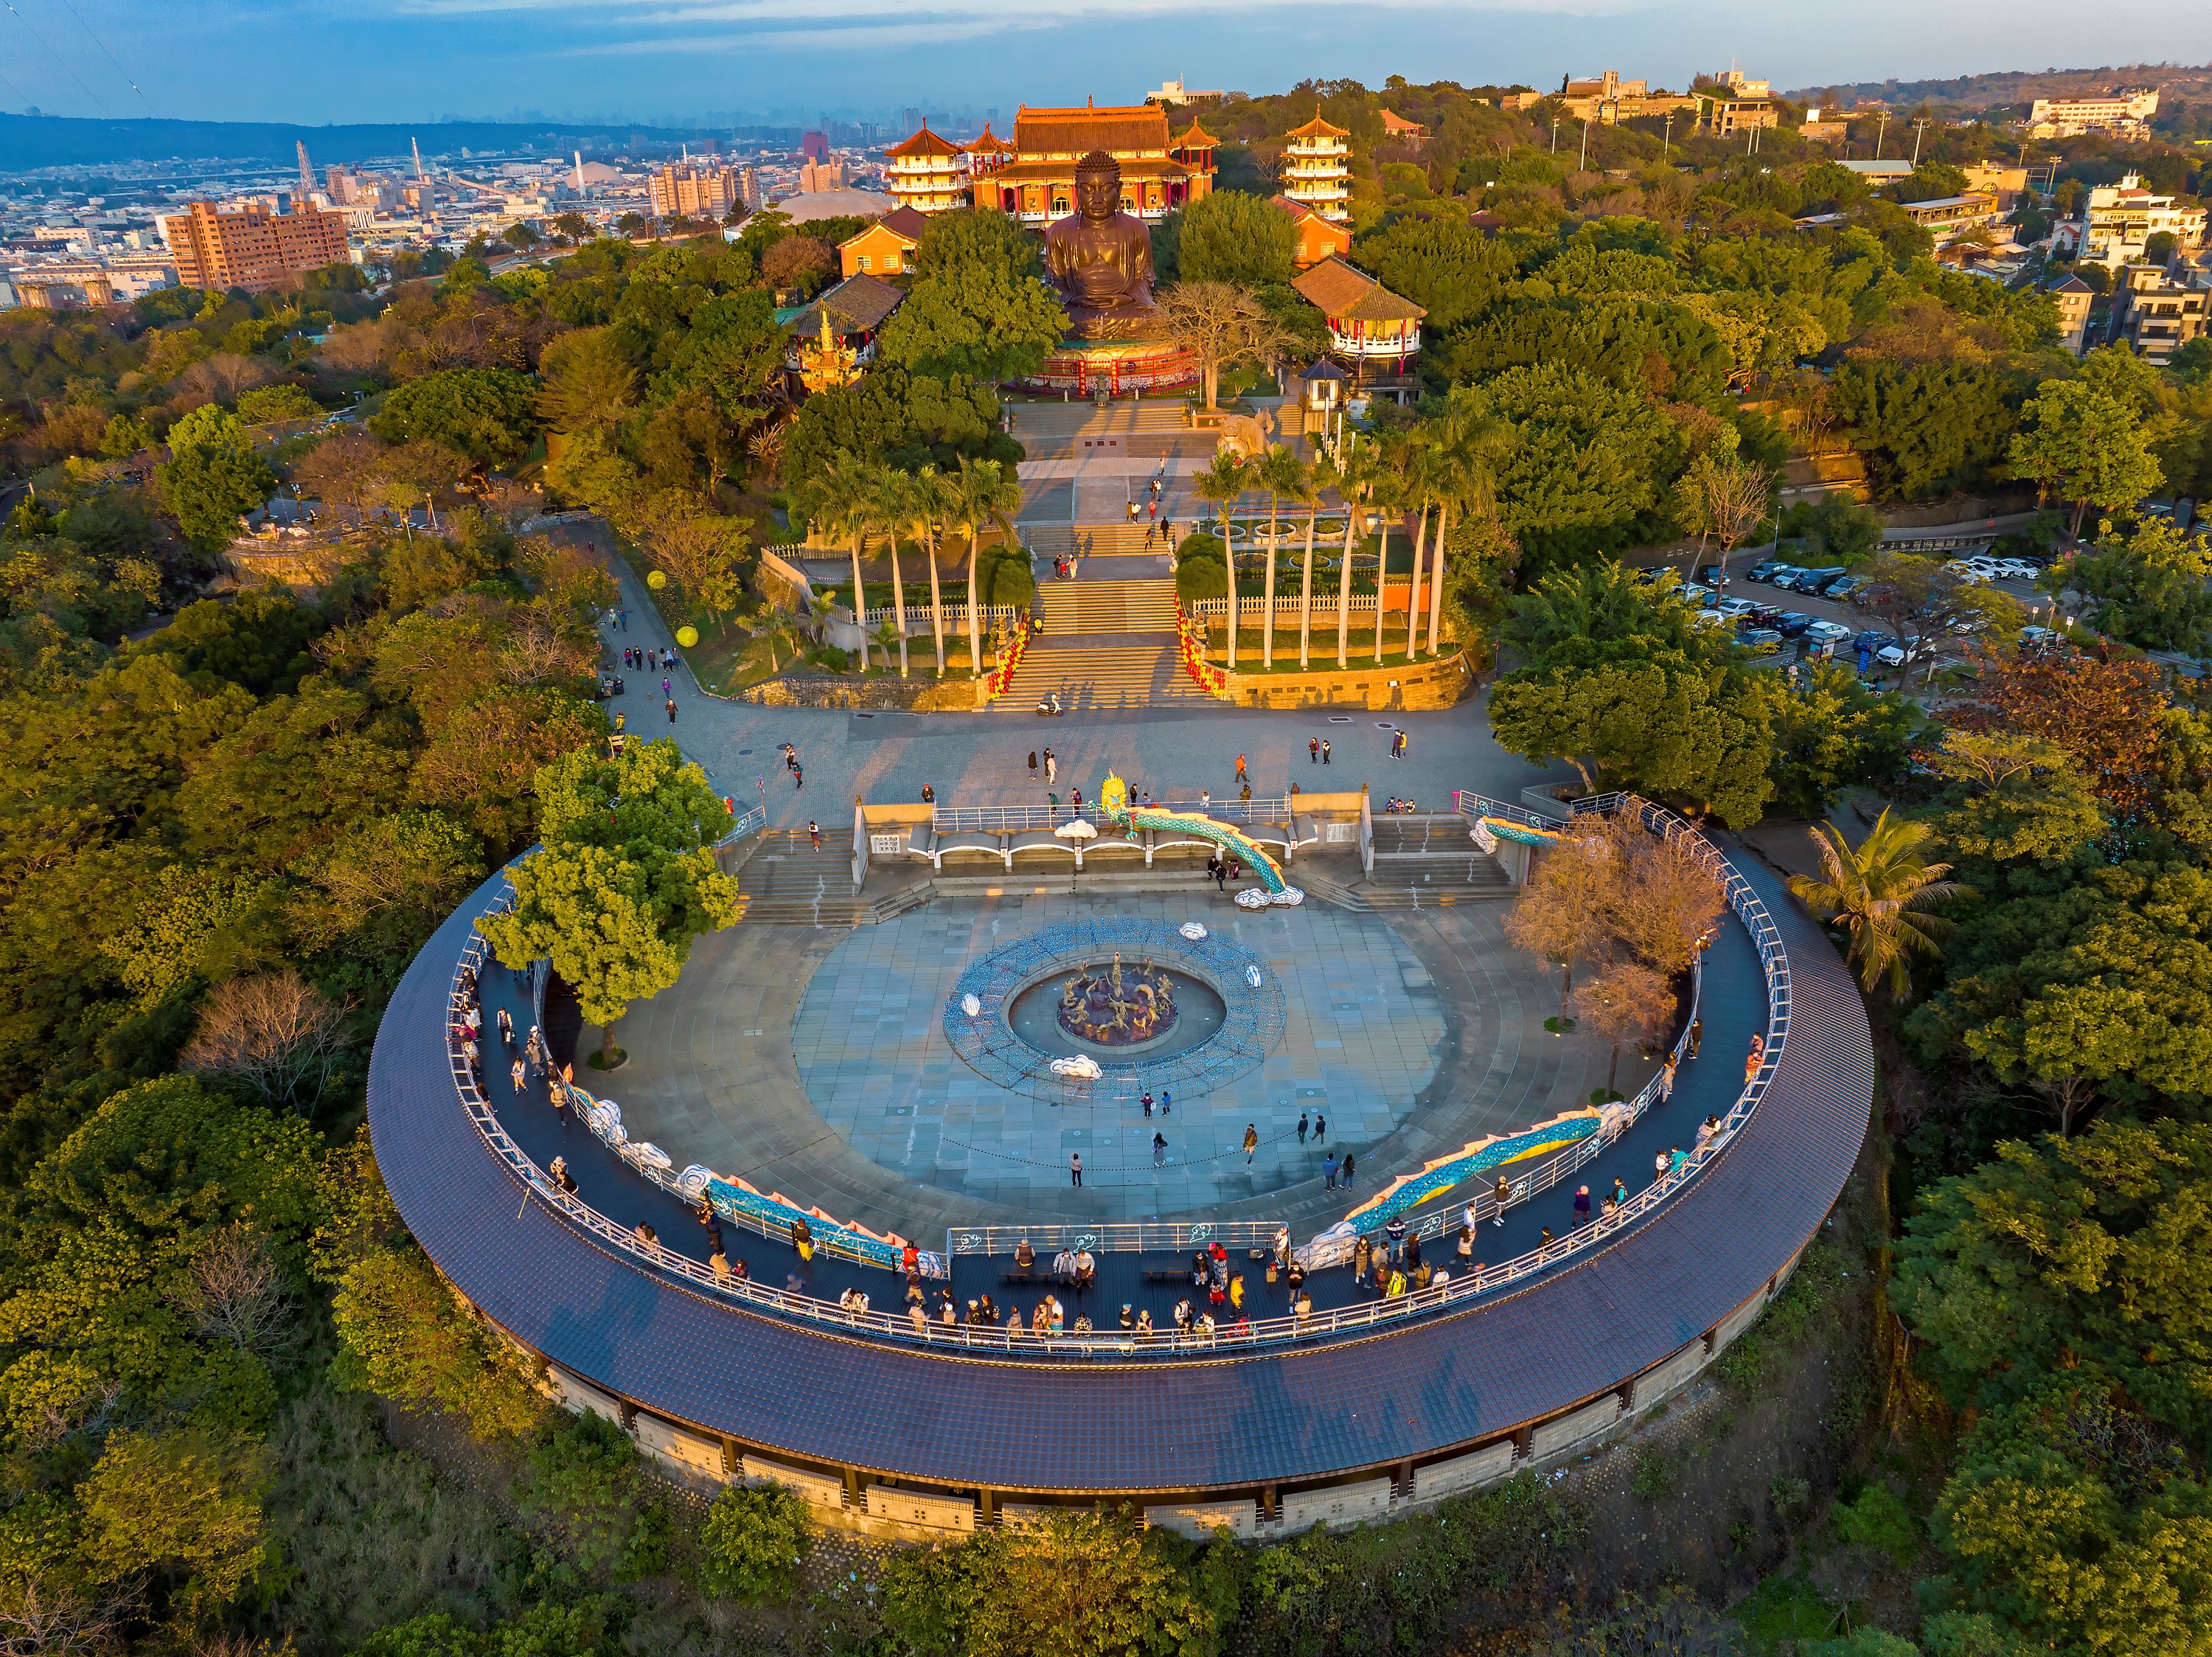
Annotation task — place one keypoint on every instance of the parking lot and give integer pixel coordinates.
(1826, 614)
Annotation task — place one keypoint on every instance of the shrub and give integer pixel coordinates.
(755, 1544)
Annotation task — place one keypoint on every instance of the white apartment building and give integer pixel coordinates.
(2125, 114)
(2117, 220)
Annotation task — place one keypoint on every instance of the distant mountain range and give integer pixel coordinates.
(2021, 87)
(34, 141)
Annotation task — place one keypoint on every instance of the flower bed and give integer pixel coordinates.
(1190, 640)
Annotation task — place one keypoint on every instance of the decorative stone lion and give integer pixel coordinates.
(1245, 436)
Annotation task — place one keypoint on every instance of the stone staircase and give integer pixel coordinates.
(786, 882)
(1034, 421)
(1103, 540)
(1426, 860)
(1102, 672)
(1107, 606)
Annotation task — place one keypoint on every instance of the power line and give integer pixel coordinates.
(58, 58)
(110, 56)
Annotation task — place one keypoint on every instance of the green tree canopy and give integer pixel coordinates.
(213, 476)
(977, 306)
(1228, 236)
(489, 415)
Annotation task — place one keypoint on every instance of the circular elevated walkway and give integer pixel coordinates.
(1506, 1379)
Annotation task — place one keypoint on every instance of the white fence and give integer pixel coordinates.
(1249, 611)
(956, 618)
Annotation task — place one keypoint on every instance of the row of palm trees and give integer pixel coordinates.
(854, 498)
(1442, 466)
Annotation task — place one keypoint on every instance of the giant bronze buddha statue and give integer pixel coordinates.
(1100, 258)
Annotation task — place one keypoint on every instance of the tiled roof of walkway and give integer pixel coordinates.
(1449, 1379)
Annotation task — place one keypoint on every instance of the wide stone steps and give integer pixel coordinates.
(788, 883)
(1050, 541)
(1101, 676)
(1034, 421)
(1107, 606)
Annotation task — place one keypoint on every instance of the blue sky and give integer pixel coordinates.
(335, 60)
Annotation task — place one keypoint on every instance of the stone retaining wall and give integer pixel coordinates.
(1444, 683)
(823, 691)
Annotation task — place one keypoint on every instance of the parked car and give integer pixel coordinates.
(1760, 641)
(1711, 618)
(1697, 595)
(1847, 590)
(1792, 624)
(1767, 570)
(1826, 590)
(1973, 574)
(1828, 632)
(1734, 607)
(2040, 638)
(1812, 580)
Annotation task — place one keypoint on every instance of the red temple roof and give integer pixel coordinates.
(925, 142)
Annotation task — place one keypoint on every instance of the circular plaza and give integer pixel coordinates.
(865, 1160)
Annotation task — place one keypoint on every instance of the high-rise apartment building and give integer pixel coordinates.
(252, 248)
(2125, 114)
(690, 191)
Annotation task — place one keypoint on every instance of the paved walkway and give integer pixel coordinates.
(1708, 1085)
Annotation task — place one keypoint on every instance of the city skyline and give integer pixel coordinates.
(689, 61)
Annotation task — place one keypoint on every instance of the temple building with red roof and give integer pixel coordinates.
(1035, 181)
(1374, 333)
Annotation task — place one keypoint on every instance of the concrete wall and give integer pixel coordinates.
(688, 1453)
(1337, 1506)
(934, 1513)
(579, 1395)
(824, 691)
(1441, 1478)
(1200, 1520)
(1444, 683)
(1575, 1428)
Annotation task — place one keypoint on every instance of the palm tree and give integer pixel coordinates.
(1417, 467)
(1388, 493)
(979, 496)
(1304, 489)
(921, 506)
(1877, 896)
(845, 499)
(1283, 475)
(892, 490)
(1467, 445)
(1224, 479)
(1351, 474)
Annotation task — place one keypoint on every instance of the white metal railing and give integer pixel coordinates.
(748, 822)
(1362, 605)
(1104, 1237)
(1369, 346)
(1268, 810)
(1000, 615)
(1741, 898)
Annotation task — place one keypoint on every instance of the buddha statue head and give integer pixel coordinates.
(1098, 187)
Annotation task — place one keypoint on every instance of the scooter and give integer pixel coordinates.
(1050, 707)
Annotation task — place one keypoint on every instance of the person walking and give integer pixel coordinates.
(1348, 1170)
(1075, 1168)
(1320, 1128)
(515, 1071)
(1159, 1150)
(1148, 1102)
(1502, 1193)
(1363, 1258)
(1697, 1035)
(1313, 750)
(1324, 751)
(814, 833)
(1033, 766)
(1302, 1127)
(1051, 767)
(798, 778)
(1667, 1079)
(672, 710)
(1251, 1143)
(1240, 767)
(1328, 1173)
(1582, 1205)
(1661, 1164)
(1167, 1099)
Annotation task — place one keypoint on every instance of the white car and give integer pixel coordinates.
(2017, 569)
(1827, 632)
(1734, 607)
(1712, 618)
(1698, 595)
(1972, 573)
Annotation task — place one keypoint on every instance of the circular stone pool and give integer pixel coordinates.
(1035, 1015)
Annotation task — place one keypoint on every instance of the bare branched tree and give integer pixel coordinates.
(48, 1620)
(235, 1292)
(1221, 324)
(276, 1032)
